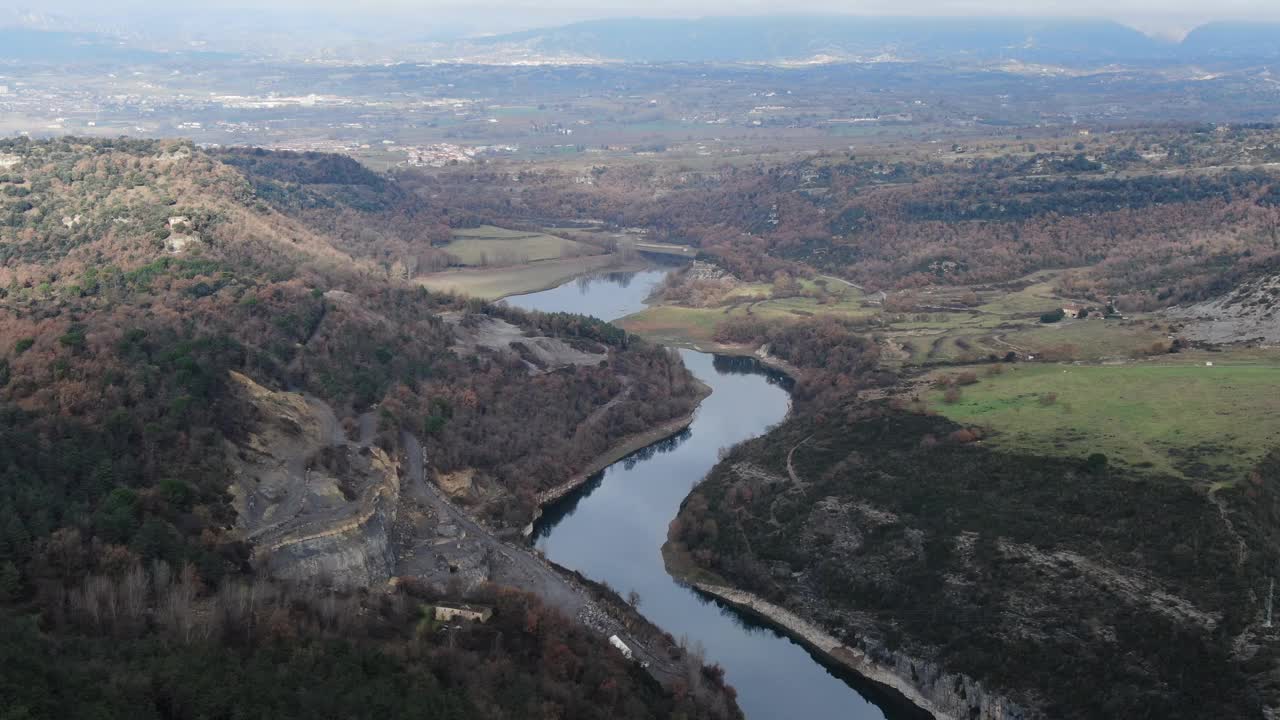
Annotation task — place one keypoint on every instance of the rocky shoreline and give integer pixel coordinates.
(922, 684)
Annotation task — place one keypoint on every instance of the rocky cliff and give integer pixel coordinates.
(1249, 313)
(315, 505)
(927, 686)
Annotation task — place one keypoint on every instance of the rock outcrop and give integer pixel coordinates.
(946, 696)
(479, 334)
(315, 505)
(1250, 313)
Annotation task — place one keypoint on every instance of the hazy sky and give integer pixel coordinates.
(1163, 16)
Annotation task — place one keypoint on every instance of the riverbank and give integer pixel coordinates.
(903, 679)
(619, 450)
(814, 638)
(760, 353)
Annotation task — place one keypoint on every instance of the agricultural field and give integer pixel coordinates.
(674, 325)
(932, 326)
(683, 325)
(487, 245)
(1177, 414)
(1093, 339)
(492, 283)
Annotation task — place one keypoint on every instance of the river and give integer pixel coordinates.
(613, 527)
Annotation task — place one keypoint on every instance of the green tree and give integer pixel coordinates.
(117, 518)
(10, 581)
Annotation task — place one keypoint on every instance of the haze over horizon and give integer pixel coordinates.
(457, 18)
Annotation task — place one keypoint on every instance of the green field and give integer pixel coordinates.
(686, 325)
(494, 246)
(1178, 416)
(674, 325)
(497, 282)
(1091, 339)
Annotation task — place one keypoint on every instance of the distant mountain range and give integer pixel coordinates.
(82, 48)
(775, 39)
(52, 46)
(766, 39)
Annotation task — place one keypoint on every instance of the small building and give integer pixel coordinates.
(457, 611)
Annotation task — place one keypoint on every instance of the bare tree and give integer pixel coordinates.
(177, 610)
(160, 578)
(133, 594)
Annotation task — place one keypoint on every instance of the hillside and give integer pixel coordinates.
(1147, 218)
(220, 373)
(1248, 312)
(992, 579)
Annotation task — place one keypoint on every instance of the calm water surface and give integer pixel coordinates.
(613, 528)
(607, 296)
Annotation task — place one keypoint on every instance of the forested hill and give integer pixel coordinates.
(920, 544)
(135, 277)
(1151, 218)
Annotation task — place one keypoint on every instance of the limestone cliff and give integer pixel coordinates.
(314, 504)
(945, 695)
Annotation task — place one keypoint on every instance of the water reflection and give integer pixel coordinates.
(746, 365)
(606, 295)
(567, 505)
(613, 530)
(621, 279)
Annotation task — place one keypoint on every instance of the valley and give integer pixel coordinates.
(770, 367)
(949, 438)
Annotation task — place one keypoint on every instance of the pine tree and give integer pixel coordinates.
(10, 581)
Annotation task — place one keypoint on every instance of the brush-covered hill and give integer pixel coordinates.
(991, 581)
(154, 298)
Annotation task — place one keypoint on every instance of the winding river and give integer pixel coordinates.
(613, 527)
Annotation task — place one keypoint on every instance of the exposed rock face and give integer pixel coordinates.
(700, 270)
(946, 696)
(480, 334)
(314, 504)
(1250, 313)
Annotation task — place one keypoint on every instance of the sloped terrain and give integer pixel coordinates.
(314, 504)
(1248, 313)
(1020, 578)
(210, 378)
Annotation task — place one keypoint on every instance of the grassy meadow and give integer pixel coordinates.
(1176, 415)
(488, 245)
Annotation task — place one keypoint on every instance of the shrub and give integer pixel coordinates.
(1096, 463)
(1053, 316)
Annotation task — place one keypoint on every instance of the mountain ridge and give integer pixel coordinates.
(791, 37)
